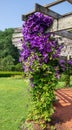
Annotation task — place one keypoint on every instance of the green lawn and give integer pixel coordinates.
(14, 102)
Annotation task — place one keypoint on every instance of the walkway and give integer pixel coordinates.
(63, 112)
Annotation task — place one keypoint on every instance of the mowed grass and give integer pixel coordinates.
(14, 103)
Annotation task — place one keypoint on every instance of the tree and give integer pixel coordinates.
(7, 63)
(7, 50)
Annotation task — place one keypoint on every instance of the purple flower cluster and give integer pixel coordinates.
(70, 62)
(65, 64)
(62, 63)
(36, 23)
(38, 45)
(34, 37)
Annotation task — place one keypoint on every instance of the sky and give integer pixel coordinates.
(12, 10)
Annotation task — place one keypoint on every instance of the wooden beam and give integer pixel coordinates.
(39, 8)
(17, 30)
(64, 34)
(70, 1)
(17, 42)
(17, 35)
(54, 14)
(61, 23)
(24, 17)
(16, 39)
(54, 3)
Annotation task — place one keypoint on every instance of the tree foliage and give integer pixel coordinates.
(9, 55)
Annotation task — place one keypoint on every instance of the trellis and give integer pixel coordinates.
(62, 25)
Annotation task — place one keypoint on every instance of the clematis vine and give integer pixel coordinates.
(40, 56)
(38, 45)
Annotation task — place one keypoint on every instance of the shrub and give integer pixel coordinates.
(19, 67)
(9, 73)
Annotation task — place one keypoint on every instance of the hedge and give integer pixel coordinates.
(9, 73)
